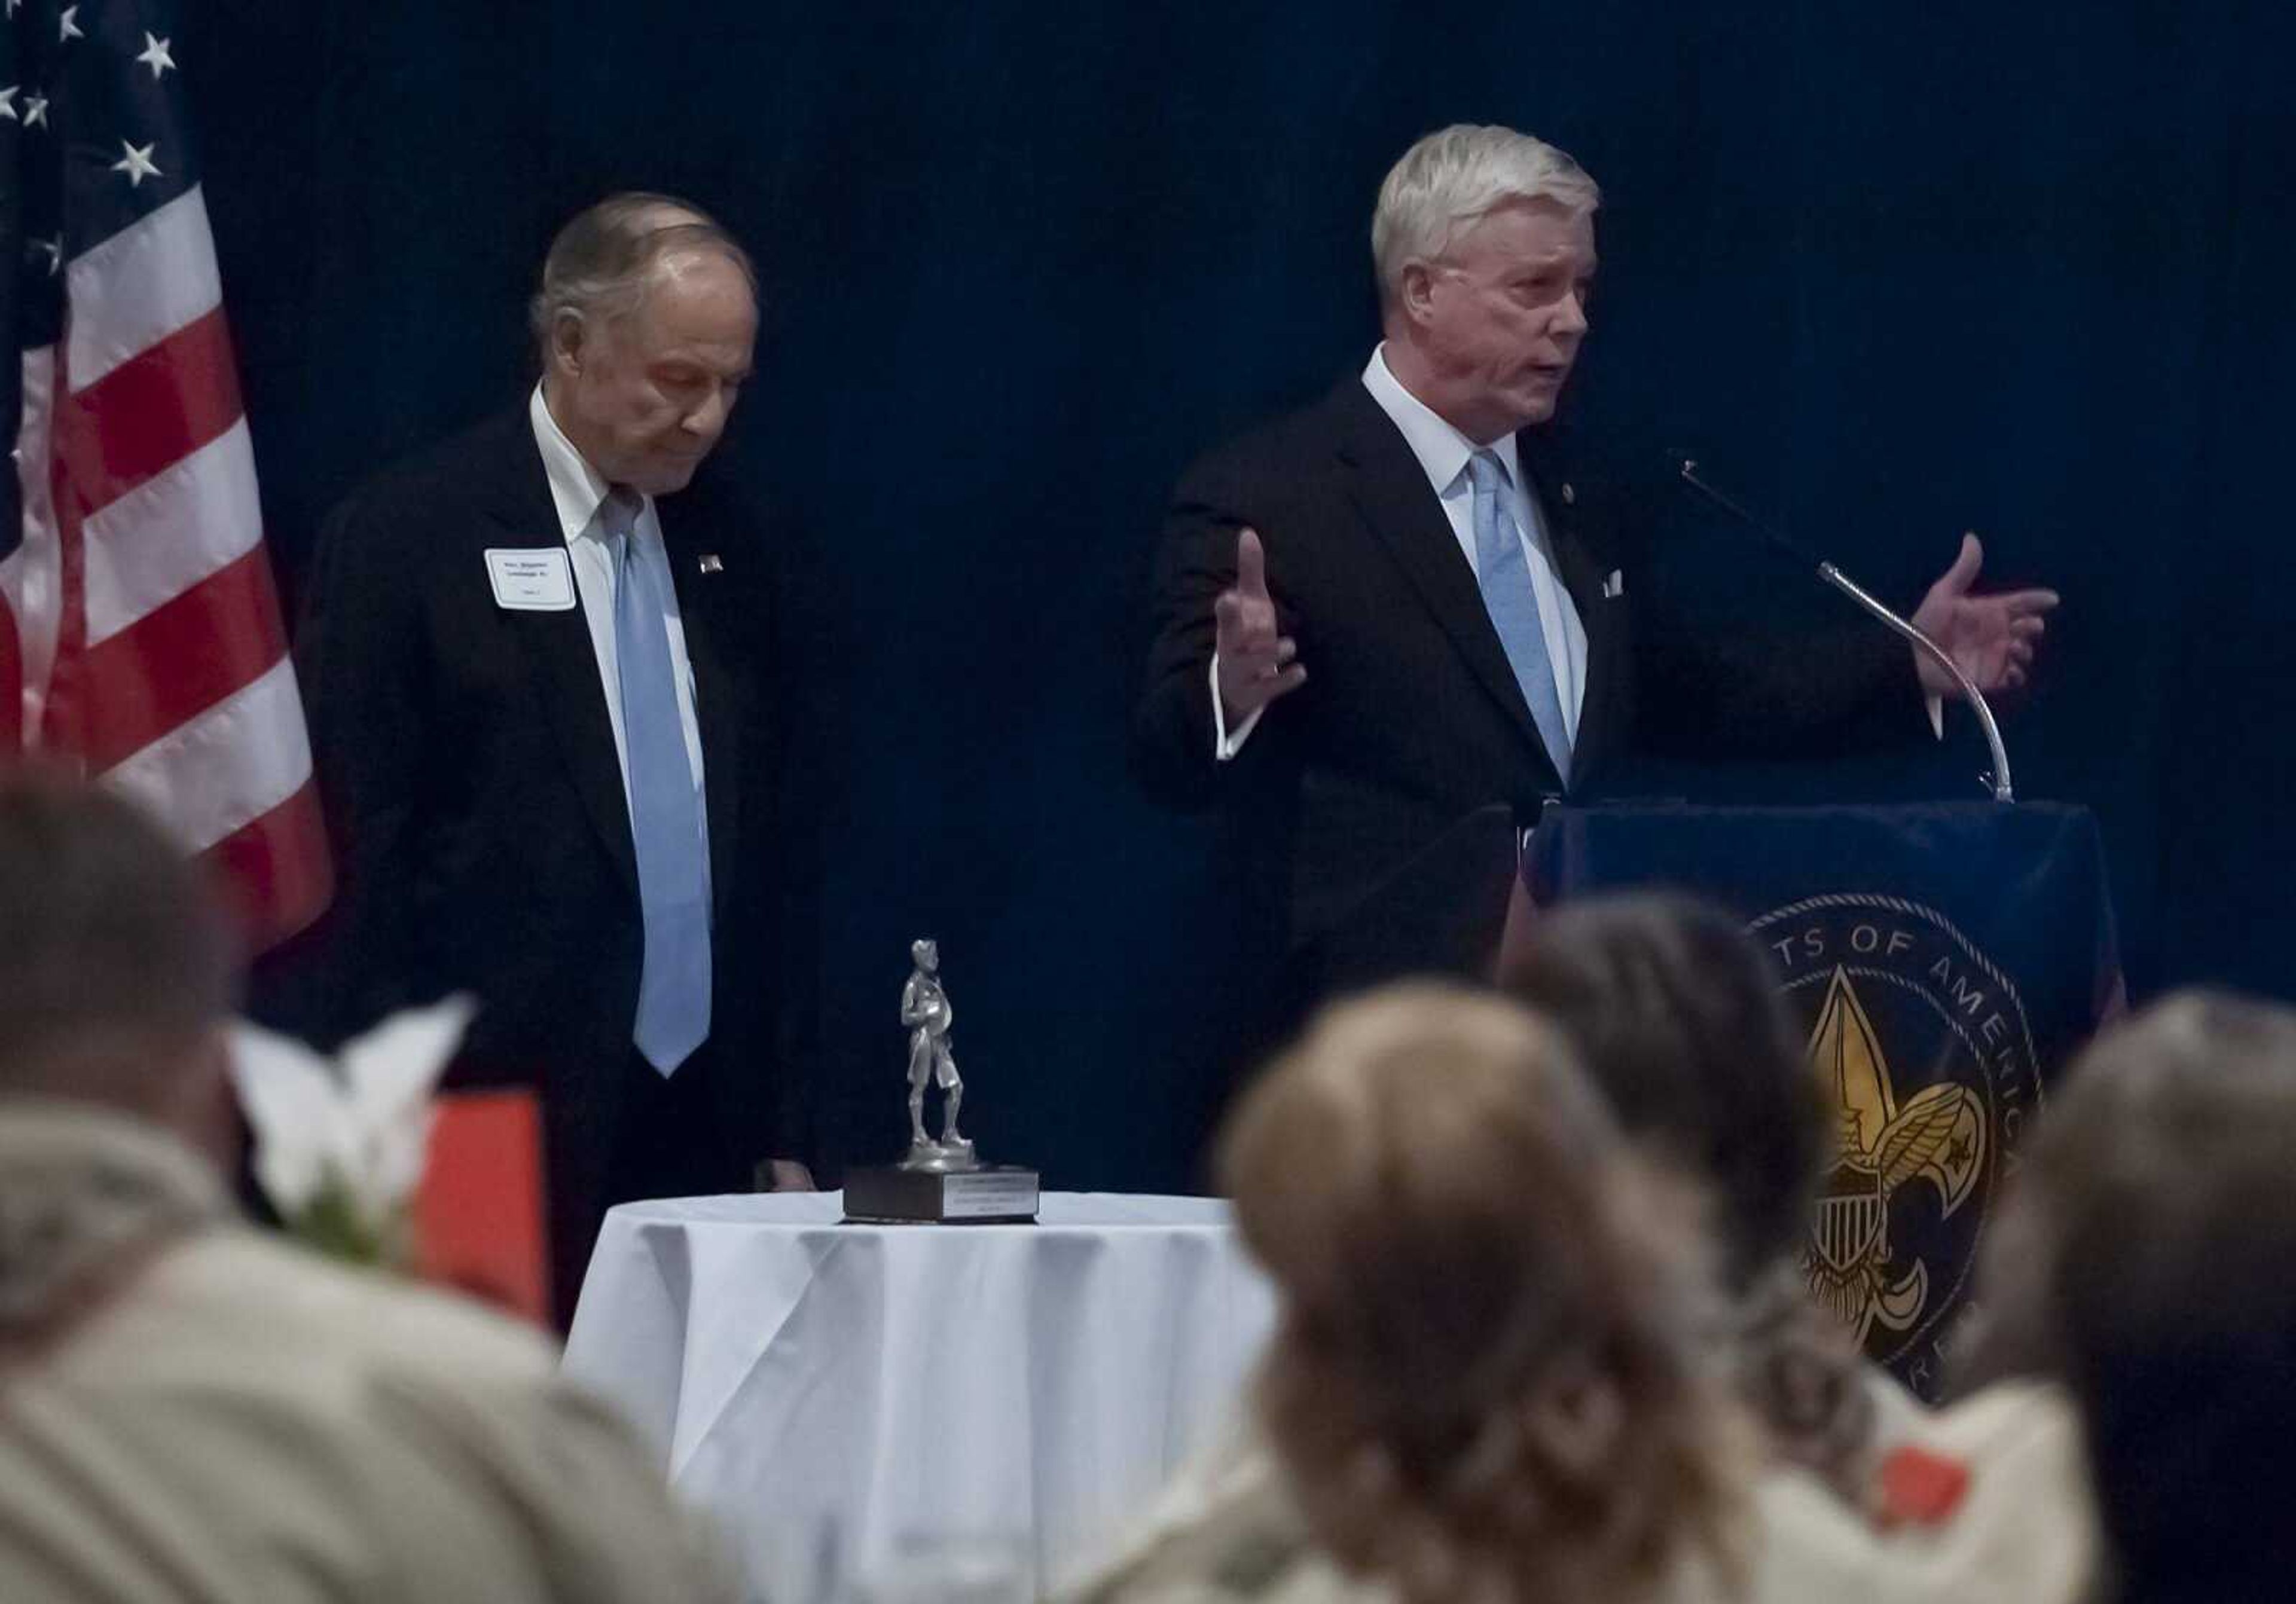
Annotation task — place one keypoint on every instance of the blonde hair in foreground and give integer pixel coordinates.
(1486, 1382)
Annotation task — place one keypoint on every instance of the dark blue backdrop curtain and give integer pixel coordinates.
(1894, 271)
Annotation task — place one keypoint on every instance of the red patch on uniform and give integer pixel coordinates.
(1921, 1488)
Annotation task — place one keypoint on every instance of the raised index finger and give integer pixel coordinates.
(1251, 565)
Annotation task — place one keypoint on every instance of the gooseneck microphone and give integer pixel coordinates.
(1686, 467)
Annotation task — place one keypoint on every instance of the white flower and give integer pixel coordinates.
(361, 1120)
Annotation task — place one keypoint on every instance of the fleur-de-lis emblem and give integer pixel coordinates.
(1937, 1136)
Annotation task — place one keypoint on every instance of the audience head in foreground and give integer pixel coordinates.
(191, 1411)
(2143, 1260)
(1674, 1011)
(119, 969)
(1487, 1381)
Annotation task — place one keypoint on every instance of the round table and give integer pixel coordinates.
(837, 1395)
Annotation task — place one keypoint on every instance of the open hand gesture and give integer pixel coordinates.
(1990, 638)
(1256, 663)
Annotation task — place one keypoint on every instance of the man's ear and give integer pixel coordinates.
(1414, 292)
(568, 343)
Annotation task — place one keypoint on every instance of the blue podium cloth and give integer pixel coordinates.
(1945, 960)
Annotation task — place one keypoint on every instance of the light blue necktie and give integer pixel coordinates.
(668, 826)
(1503, 573)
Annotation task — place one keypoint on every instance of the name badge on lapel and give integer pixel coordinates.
(531, 579)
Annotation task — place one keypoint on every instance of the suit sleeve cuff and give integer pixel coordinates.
(1226, 746)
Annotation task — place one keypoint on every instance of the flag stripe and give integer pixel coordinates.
(145, 622)
(171, 532)
(177, 397)
(277, 868)
(227, 767)
(136, 288)
(179, 661)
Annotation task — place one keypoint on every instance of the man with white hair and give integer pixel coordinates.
(535, 666)
(1378, 615)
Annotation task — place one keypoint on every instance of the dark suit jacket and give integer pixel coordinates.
(1410, 717)
(482, 840)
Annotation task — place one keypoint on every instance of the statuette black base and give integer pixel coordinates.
(994, 1194)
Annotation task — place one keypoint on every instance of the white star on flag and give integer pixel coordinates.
(156, 57)
(53, 250)
(137, 164)
(70, 28)
(8, 102)
(35, 110)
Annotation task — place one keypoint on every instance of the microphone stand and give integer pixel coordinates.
(1998, 781)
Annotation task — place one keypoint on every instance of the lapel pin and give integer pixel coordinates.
(712, 563)
(1569, 497)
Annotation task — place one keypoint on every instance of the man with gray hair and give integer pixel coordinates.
(536, 664)
(1425, 572)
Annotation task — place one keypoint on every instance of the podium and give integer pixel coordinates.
(1944, 961)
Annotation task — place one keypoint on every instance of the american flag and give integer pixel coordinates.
(140, 633)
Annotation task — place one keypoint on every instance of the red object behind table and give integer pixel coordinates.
(478, 1211)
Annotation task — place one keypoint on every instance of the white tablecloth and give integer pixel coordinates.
(834, 1393)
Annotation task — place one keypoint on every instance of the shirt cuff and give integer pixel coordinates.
(1226, 746)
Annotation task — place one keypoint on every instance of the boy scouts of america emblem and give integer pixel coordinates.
(1924, 1058)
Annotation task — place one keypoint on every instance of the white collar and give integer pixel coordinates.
(574, 486)
(1441, 449)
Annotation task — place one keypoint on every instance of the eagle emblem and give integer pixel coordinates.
(1937, 1136)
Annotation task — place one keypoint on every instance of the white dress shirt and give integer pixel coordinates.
(577, 489)
(1443, 454)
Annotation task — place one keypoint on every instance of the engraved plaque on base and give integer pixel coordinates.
(994, 1194)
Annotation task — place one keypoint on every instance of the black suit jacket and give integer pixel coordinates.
(482, 841)
(1411, 718)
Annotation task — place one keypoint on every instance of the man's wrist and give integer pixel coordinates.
(1225, 743)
